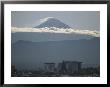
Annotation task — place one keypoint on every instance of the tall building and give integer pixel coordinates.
(49, 67)
(69, 66)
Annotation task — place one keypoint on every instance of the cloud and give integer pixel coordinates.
(45, 19)
(57, 30)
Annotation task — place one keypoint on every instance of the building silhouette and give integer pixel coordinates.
(69, 67)
(49, 67)
(13, 70)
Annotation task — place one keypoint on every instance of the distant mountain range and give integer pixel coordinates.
(30, 55)
(52, 22)
(43, 36)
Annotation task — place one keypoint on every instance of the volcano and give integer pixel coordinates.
(50, 22)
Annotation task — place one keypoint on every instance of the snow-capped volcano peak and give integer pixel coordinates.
(51, 22)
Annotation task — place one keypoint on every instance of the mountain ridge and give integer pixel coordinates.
(27, 41)
(52, 22)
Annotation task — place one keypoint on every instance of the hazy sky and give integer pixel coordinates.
(76, 19)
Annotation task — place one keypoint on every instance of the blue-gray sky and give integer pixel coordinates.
(76, 19)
